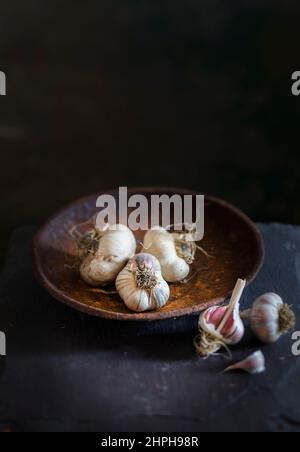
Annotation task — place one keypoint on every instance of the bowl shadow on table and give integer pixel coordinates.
(55, 327)
(37, 323)
(2, 365)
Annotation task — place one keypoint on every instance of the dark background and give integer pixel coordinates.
(104, 93)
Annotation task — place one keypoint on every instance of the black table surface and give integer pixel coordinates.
(65, 371)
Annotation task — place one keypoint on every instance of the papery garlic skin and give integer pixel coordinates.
(270, 318)
(116, 246)
(161, 244)
(141, 285)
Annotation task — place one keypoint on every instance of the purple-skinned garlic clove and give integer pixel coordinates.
(254, 364)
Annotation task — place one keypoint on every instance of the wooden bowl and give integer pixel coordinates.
(232, 240)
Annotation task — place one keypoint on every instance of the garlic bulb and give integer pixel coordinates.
(141, 285)
(270, 318)
(162, 244)
(221, 326)
(108, 253)
(254, 364)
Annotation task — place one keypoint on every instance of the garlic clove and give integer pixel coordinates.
(161, 244)
(221, 326)
(97, 271)
(138, 301)
(160, 294)
(176, 270)
(254, 364)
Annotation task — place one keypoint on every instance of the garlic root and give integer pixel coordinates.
(207, 344)
(287, 319)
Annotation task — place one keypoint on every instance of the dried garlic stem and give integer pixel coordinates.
(204, 252)
(105, 292)
(186, 246)
(235, 298)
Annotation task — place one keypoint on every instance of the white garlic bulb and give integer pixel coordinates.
(141, 285)
(221, 326)
(162, 244)
(270, 318)
(115, 246)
